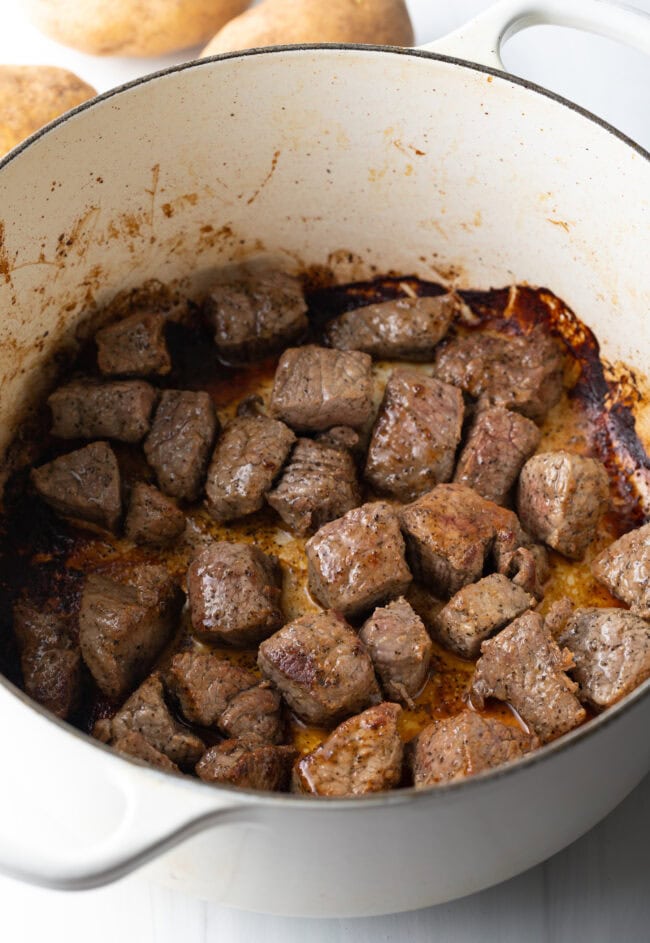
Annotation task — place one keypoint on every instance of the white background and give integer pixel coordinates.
(595, 891)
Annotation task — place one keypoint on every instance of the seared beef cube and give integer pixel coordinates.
(318, 485)
(234, 592)
(400, 649)
(415, 437)
(49, 658)
(557, 615)
(524, 666)
(358, 561)
(248, 764)
(624, 568)
(498, 444)
(321, 668)
(134, 744)
(465, 745)
(256, 316)
(404, 329)
(246, 461)
(54, 678)
(477, 611)
(339, 437)
(146, 713)
(363, 755)
(254, 714)
(84, 484)
(449, 532)
(38, 629)
(178, 446)
(424, 604)
(528, 568)
(519, 372)
(134, 347)
(205, 684)
(153, 519)
(316, 388)
(85, 409)
(611, 650)
(561, 498)
(124, 622)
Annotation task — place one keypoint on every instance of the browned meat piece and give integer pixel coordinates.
(54, 679)
(425, 604)
(339, 437)
(561, 498)
(146, 713)
(234, 593)
(49, 657)
(624, 568)
(321, 668)
(611, 650)
(256, 316)
(519, 372)
(85, 409)
(178, 446)
(134, 744)
(449, 533)
(254, 714)
(465, 745)
(415, 437)
(134, 347)
(524, 666)
(400, 649)
(124, 622)
(477, 611)
(498, 444)
(205, 684)
(251, 765)
(406, 329)
(358, 561)
(558, 615)
(316, 388)
(527, 567)
(364, 754)
(318, 485)
(84, 484)
(246, 461)
(153, 519)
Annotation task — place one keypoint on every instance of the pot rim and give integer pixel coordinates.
(396, 797)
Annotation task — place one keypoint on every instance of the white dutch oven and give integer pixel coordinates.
(365, 160)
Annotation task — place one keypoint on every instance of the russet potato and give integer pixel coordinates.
(275, 22)
(132, 27)
(32, 95)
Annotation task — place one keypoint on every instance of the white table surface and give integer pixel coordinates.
(598, 889)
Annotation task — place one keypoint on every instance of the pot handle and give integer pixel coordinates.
(481, 39)
(76, 815)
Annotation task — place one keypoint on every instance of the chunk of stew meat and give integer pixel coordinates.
(415, 437)
(524, 666)
(363, 755)
(321, 668)
(404, 329)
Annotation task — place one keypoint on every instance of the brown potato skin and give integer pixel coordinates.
(131, 27)
(33, 95)
(275, 22)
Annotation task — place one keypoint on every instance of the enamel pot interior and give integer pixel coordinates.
(363, 161)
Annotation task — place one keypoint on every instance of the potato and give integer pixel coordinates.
(274, 22)
(131, 27)
(32, 95)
